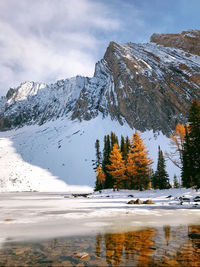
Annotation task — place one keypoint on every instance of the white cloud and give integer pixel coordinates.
(50, 39)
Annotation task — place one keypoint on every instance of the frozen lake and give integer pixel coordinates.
(33, 222)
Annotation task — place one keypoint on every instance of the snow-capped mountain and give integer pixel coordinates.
(147, 87)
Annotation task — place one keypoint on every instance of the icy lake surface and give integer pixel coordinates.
(33, 222)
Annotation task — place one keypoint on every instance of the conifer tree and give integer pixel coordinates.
(97, 162)
(124, 148)
(100, 179)
(105, 161)
(191, 153)
(117, 167)
(113, 139)
(138, 164)
(186, 175)
(161, 177)
(176, 183)
(194, 139)
(177, 145)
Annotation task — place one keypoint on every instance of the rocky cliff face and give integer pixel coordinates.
(188, 41)
(146, 85)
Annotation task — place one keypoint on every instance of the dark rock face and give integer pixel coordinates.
(147, 86)
(187, 40)
(153, 85)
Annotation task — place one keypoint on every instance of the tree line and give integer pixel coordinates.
(185, 142)
(127, 165)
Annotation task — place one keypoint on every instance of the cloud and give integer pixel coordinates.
(50, 39)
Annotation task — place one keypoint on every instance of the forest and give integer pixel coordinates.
(126, 164)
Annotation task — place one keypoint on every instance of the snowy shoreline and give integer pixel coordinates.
(34, 215)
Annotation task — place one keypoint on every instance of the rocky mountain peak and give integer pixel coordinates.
(147, 86)
(188, 41)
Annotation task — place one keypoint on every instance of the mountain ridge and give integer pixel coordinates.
(149, 86)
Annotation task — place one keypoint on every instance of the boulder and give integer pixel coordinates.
(131, 202)
(148, 201)
(197, 199)
(138, 201)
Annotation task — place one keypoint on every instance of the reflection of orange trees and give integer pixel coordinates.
(189, 254)
(98, 245)
(114, 248)
(184, 248)
(136, 245)
(166, 229)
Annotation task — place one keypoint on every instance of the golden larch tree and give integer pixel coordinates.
(100, 178)
(177, 143)
(117, 167)
(138, 164)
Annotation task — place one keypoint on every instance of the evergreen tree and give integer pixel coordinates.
(116, 167)
(187, 163)
(194, 140)
(100, 179)
(191, 152)
(138, 164)
(106, 161)
(124, 148)
(97, 162)
(113, 139)
(176, 183)
(155, 180)
(161, 177)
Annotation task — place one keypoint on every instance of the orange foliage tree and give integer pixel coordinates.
(117, 167)
(138, 164)
(100, 178)
(177, 144)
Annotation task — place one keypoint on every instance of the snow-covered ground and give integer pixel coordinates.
(34, 215)
(59, 153)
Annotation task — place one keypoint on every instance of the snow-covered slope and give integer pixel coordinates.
(50, 130)
(32, 156)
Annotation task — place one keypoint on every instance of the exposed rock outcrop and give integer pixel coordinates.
(188, 41)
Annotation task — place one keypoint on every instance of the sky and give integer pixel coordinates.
(48, 40)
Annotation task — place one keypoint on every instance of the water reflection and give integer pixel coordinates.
(164, 246)
(136, 246)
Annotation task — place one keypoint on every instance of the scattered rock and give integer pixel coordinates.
(9, 220)
(169, 196)
(186, 199)
(81, 255)
(148, 201)
(138, 201)
(131, 202)
(182, 199)
(197, 199)
(80, 195)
